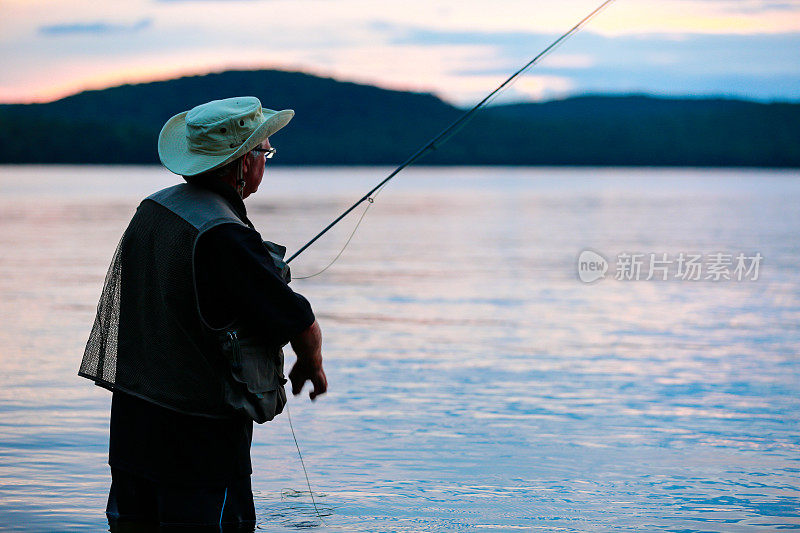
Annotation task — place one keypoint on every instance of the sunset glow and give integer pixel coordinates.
(455, 49)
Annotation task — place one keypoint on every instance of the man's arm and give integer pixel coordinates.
(308, 347)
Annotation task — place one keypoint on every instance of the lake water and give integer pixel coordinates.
(476, 384)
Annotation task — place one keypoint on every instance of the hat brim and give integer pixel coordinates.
(173, 145)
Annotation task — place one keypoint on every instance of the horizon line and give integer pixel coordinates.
(144, 80)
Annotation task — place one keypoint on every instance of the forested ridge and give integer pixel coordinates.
(343, 123)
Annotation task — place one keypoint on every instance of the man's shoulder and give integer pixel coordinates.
(234, 243)
(199, 207)
(232, 234)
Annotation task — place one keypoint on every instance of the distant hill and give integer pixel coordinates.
(347, 123)
(642, 130)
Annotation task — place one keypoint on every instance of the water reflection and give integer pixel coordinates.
(475, 383)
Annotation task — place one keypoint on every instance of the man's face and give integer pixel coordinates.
(254, 169)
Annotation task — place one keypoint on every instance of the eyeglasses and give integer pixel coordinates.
(268, 152)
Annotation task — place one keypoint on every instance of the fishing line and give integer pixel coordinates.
(308, 483)
(445, 135)
(371, 201)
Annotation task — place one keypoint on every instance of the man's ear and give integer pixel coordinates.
(247, 160)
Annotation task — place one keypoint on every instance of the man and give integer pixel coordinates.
(190, 325)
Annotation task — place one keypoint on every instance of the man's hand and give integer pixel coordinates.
(300, 373)
(308, 347)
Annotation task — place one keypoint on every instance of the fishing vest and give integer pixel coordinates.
(149, 338)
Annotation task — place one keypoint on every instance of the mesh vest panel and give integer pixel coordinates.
(148, 338)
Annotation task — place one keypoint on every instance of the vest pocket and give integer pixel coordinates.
(256, 387)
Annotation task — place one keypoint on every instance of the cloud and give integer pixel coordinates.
(753, 6)
(700, 54)
(94, 28)
(758, 66)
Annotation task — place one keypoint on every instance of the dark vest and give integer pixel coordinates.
(149, 338)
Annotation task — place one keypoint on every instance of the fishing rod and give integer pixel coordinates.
(446, 133)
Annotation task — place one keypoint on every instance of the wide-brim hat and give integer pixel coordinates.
(216, 133)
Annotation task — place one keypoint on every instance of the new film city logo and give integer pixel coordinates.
(717, 266)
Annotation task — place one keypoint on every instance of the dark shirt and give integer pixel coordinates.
(236, 279)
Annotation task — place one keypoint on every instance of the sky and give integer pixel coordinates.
(457, 49)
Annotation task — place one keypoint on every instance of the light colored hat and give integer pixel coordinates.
(213, 134)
